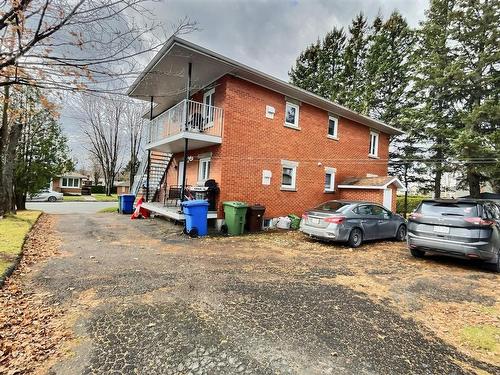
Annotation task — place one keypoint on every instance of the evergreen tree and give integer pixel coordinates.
(436, 114)
(331, 64)
(42, 152)
(353, 77)
(305, 73)
(476, 60)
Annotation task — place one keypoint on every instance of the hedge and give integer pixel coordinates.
(413, 202)
(101, 189)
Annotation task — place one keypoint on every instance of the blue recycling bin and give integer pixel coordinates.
(126, 203)
(195, 212)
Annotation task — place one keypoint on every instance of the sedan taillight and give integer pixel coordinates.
(334, 219)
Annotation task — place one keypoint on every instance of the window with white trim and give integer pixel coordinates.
(288, 174)
(291, 115)
(204, 169)
(330, 179)
(373, 144)
(68, 182)
(333, 123)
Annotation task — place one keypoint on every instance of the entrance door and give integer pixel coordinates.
(388, 199)
(180, 172)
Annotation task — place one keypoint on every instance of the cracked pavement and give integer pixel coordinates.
(146, 300)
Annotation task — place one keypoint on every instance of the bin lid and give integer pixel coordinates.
(127, 195)
(194, 202)
(235, 204)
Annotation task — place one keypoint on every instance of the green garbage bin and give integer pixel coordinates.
(294, 221)
(234, 215)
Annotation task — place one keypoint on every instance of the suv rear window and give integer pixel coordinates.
(448, 209)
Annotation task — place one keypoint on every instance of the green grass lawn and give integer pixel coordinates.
(13, 229)
(109, 210)
(97, 197)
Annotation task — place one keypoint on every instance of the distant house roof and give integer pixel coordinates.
(381, 182)
(73, 175)
(171, 62)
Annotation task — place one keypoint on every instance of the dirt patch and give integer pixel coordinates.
(32, 330)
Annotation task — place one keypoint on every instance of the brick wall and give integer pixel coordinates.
(253, 143)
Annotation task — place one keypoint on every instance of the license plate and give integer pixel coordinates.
(314, 221)
(440, 229)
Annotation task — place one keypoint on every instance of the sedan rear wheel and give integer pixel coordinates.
(417, 253)
(355, 238)
(52, 199)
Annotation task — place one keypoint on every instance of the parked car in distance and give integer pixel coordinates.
(463, 228)
(352, 222)
(46, 195)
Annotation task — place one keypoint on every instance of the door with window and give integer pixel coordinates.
(180, 173)
(208, 101)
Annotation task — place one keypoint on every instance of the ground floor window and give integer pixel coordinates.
(288, 174)
(68, 182)
(204, 169)
(330, 179)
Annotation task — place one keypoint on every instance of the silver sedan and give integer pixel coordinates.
(46, 195)
(352, 222)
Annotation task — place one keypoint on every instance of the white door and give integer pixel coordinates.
(388, 199)
(180, 172)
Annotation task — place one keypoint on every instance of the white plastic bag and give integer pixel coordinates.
(283, 222)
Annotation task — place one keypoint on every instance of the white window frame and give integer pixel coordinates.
(200, 169)
(331, 172)
(294, 125)
(73, 179)
(336, 132)
(373, 151)
(209, 111)
(293, 166)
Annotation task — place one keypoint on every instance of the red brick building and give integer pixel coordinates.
(261, 139)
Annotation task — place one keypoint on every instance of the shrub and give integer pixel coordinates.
(101, 189)
(413, 202)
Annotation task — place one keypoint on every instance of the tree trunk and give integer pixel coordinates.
(21, 201)
(4, 135)
(437, 182)
(474, 183)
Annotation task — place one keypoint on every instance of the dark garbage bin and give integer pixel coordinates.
(212, 193)
(126, 203)
(255, 216)
(195, 212)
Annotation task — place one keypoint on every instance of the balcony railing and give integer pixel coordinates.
(201, 119)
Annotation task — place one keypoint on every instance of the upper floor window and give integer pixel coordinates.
(373, 144)
(333, 124)
(292, 115)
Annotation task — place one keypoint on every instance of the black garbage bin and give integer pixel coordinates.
(255, 215)
(212, 193)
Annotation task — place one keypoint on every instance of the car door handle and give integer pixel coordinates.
(364, 221)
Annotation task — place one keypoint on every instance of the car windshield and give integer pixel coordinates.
(449, 209)
(333, 206)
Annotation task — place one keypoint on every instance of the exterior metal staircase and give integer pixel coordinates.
(159, 163)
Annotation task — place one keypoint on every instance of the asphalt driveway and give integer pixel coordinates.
(69, 207)
(145, 300)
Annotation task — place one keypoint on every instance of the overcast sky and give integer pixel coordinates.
(265, 34)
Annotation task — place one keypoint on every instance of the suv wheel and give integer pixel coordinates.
(496, 266)
(417, 253)
(401, 233)
(355, 238)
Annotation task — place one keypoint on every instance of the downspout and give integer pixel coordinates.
(186, 141)
(148, 170)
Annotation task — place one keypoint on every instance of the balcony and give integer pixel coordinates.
(203, 127)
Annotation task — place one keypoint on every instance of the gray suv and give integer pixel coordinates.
(352, 222)
(464, 228)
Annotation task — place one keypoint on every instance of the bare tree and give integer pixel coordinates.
(103, 126)
(134, 125)
(80, 45)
